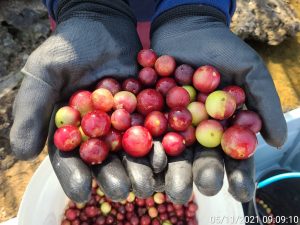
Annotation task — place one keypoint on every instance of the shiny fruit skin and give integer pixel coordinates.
(206, 79)
(132, 85)
(209, 133)
(67, 116)
(192, 92)
(82, 101)
(146, 58)
(93, 151)
(189, 135)
(184, 74)
(156, 123)
(220, 105)
(177, 97)
(173, 144)
(198, 111)
(165, 65)
(110, 84)
(248, 119)
(148, 76)
(239, 142)
(137, 141)
(113, 140)
(149, 100)
(238, 93)
(120, 119)
(102, 99)
(179, 119)
(125, 100)
(164, 84)
(95, 123)
(67, 138)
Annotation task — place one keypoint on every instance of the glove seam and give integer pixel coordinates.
(36, 78)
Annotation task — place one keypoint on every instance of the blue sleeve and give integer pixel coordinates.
(226, 6)
(52, 7)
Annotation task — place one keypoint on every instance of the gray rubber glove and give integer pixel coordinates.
(93, 39)
(198, 35)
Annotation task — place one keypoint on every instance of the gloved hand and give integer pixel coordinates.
(93, 39)
(198, 35)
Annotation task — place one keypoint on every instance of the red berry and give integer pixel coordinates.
(150, 202)
(165, 65)
(173, 144)
(67, 138)
(113, 140)
(82, 101)
(91, 211)
(120, 119)
(145, 220)
(152, 211)
(137, 141)
(179, 118)
(67, 116)
(161, 208)
(189, 135)
(206, 79)
(177, 97)
(164, 85)
(238, 94)
(93, 151)
(149, 100)
(184, 74)
(110, 84)
(140, 201)
(132, 85)
(146, 57)
(156, 123)
(125, 100)
(71, 214)
(95, 123)
(248, 119)
(102, 99)
(159, 198)
(148, 76)
(201, 97)
(137, 119)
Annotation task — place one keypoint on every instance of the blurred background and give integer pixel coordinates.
(270, 26)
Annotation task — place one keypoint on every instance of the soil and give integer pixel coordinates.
(283, 62)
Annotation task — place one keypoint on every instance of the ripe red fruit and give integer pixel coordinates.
(146, 57)
(156, 123)
(137, 119)
(100, 220)
(149, 100)
(192, 207)
(184, 74)
(120, 217)
(120, 119)
(102, 99)
(148, 76)
(95, 123)
(137, 141)
(179, 119)
(239, 142)
(140, 201)
(220, 105)
(91, 211)
(145, 220)
(206, 79)
(150, 202)
(125, 100)
(165, 65)
(189, 135)
(129, 207)
(173, 144)
(165, 84)
(71, 214)
(248, 119)
(177, 97)
(132, 85)
(82, 101)
(113, 140)
(155, 222)
(110, 84)
(159, 198)
(67, 138)
(161, 208)
(93, 151)
(201, 97)
(238, 94)
(67, 116)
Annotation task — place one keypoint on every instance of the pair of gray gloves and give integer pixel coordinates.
(96, 39)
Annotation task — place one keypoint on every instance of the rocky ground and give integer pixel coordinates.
(24, 25)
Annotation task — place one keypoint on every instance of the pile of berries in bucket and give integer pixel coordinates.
(154, 210)
(175, 103)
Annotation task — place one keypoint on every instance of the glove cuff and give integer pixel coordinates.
(209, 14)
(93, 9)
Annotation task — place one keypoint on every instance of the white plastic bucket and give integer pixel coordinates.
(44, 202)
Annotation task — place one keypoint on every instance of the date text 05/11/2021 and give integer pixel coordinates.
(254, 219)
